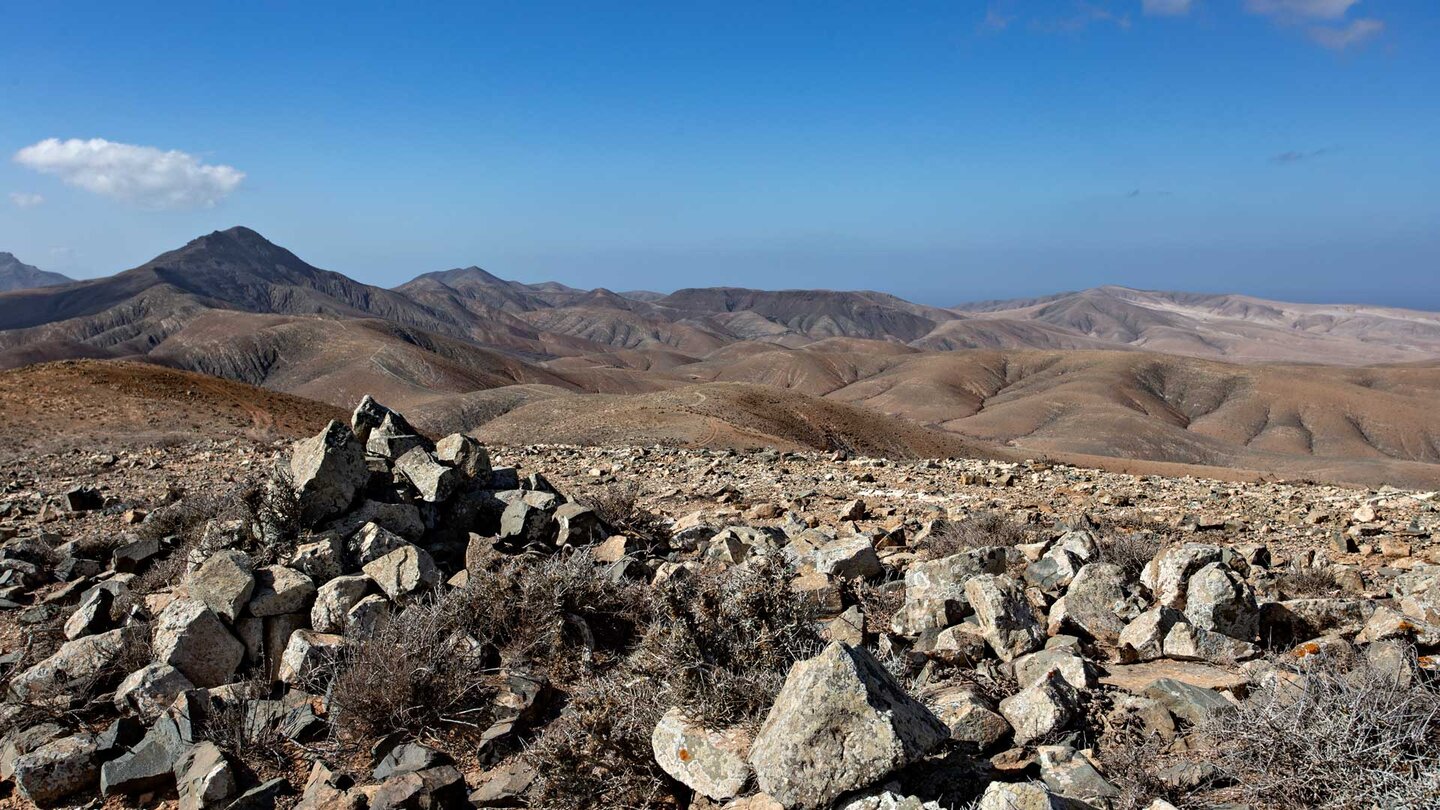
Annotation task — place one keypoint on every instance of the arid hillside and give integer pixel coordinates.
(1107, 376)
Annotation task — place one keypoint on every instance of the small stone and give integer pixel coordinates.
(203, 778)
(404, 571)
(224, 582)
(709, 762)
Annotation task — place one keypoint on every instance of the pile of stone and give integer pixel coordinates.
(1169, 649)
(388, 516)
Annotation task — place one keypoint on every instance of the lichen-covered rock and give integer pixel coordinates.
(1218, 599)
(404, 571)
(463, 453)
(935, 589)
(1169, 573)
(1143, 639)
(849, 557)
(1046, 706)
(327, 470)
(1005, 618)
(191, 638)
(203, 778)
(280, 590)
(224, 582)
(75, 663)
(308, 654)
(840, 723)
(333, 601)
(578, 525)
(434, 481)
(970, 717)
(150, 690)
(57, 770)
(1096, 605)
(709, 762)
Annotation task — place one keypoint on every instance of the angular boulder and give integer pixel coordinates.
(1005, 618)
(191, 638)
(327, 470)
(840, 723)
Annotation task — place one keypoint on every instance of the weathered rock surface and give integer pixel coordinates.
(840, 723)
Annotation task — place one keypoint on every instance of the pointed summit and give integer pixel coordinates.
(17, 275)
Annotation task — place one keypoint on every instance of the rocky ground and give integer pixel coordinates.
(373, 619)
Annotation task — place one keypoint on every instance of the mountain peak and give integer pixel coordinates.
(17, 275)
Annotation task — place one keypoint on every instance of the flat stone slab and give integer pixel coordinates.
(1133, 678)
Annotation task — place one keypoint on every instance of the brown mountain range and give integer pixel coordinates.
(1342, 393)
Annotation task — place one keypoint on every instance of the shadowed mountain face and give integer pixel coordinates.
(1103, 374)
(16, 275)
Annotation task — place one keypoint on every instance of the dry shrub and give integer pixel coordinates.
(429, 667)
(977, 530)
(1332, 731)
(1131, 551)
(722, 644)
(597, 754)
(619, 507)
(417, 671)
(238, 731)
(1304, 581)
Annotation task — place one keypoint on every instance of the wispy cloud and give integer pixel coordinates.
(1081, 16)
(23, 199)
(1166, 8)
(1313, 9)
(1358, 32)
(1325, 22)
(1286, 158)
(143, 175)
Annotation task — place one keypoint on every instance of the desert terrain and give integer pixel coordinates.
(1123, 379)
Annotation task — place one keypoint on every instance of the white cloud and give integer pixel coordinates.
(1166, 8)
(23, 199)
(143, 175)
(1314, 9)
(1356, 33)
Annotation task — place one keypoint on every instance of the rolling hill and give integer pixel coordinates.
(1340, 393)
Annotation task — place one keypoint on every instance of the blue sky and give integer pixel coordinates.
(944, 151)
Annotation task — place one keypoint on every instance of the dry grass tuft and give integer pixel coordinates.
(619, 507)
(722, 644)
(978, 530)
(1332, 731)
